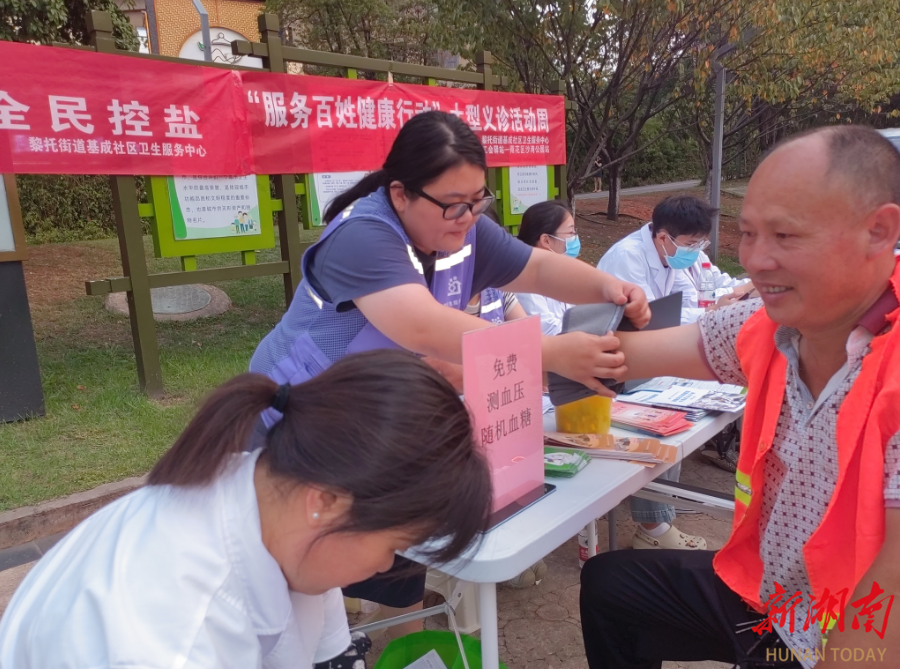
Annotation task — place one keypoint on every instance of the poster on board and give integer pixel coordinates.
(7, 241)
(527, 186)
(328, 185)
(214, 207)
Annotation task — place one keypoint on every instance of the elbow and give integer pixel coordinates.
(420, 340)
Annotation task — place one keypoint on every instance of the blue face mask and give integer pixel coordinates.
(683, 258)
(573, 245)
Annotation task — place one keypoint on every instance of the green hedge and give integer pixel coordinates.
(65, 208)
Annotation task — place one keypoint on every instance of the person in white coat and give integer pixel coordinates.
(666, 255)
(549, 226)
(235, 559)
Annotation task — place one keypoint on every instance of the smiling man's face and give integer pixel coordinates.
(804, 239)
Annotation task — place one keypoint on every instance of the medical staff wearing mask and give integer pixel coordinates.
(549, 226)
(666, 255)
(658, 257)
(235, 559)
(402, 255)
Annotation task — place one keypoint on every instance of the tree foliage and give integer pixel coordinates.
(407, 31)
(47, 21)
(792, 65)
(641, 72)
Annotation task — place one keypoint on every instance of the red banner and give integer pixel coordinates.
(76, 112)
(64, 111)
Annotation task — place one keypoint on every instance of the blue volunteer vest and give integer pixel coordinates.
(312, 334)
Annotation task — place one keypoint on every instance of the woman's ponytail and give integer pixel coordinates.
(382, 426)
(222, 426)
(369, 184)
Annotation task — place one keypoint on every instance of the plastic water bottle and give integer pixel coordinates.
(583, 543)
(707, 296)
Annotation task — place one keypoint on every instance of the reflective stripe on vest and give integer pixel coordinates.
(742, 490)
(493, 308)
(851, 533)
(442, 264)
(312, 334)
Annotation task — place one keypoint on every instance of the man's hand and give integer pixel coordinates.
(725, 301)
(585, 358)
(637, 310)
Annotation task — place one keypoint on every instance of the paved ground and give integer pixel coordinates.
(642, 190)
(540, 628)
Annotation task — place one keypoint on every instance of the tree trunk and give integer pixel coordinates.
(614, 179)
(709, 184)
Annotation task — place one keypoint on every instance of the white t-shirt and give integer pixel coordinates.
(551, 311)
(170, 577)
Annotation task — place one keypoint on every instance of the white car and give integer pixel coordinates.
(893, 135)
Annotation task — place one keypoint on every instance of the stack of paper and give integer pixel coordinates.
(659, 422)
(564, 462)
(665, 382)
(695, 397)
(606, 446)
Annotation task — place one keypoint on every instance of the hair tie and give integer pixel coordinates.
(280, 400)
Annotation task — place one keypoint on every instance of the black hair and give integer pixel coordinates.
(427, 146)
(543, 218)
(683, 215)
(381, 426)
(862, 157)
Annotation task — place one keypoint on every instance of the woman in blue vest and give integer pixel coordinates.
(404, 252)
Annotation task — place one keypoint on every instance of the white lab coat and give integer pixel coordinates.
(634, 259)
(170, 577)
(551, 311)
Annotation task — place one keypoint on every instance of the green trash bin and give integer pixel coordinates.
(402, 652)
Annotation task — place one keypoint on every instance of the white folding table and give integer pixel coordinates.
(538, 530)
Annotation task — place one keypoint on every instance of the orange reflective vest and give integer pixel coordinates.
(844, 545)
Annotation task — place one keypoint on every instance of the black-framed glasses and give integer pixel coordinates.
(458, 209)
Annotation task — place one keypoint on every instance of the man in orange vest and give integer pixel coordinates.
(816, 531)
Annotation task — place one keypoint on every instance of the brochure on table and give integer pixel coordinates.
(649, 419)
(611, 447)
(685, 394)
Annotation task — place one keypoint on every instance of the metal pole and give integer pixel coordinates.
(204, 30)
(715, 197)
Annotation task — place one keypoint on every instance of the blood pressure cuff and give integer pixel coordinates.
(596, 319)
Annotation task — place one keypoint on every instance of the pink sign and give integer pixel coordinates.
(502, 382)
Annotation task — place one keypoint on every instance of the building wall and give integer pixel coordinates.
(176, 20)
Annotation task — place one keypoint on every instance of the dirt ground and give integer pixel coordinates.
(55, 273)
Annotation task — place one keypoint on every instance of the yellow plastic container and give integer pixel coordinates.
(592, 415)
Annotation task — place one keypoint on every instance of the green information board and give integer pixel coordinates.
(203, 215)
(519, 188)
